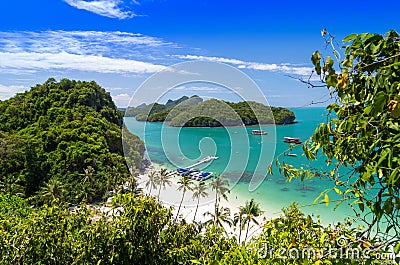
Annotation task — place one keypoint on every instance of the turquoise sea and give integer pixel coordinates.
(242, 155)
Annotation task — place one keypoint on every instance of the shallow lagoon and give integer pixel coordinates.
(243, 155)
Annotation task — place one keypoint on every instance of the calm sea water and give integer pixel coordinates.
(242, 156)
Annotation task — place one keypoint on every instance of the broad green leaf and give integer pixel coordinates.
(397, 247)
(388, 206)
(380, 101)
(361, 206)
(328, 65)
(326, 199)
(331, 80)
(349, 37)
(316, 60)
(384, 155)
(337, 190)
(368, 109)
(394, 177)
(396, 111)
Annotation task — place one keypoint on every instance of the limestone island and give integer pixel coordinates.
(196, 112)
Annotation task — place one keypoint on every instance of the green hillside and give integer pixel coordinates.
(193, 112)
(159, 112)
(64, 136)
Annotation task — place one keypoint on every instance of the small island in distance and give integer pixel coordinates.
(196, 112)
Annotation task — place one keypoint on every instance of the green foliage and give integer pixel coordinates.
(363, 129)
(295, 238)
(215, 112)
(249, 212)
(56, 235)
(199, 191)
(185, 184)
(159, 112)
(142, 113)
(141, 231)
(169, 113)
(58, 130)
(193, 112)
(361, 135)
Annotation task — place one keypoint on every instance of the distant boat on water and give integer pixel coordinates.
(291, 140)
(259, 132)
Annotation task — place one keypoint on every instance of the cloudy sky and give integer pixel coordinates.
(121, 43)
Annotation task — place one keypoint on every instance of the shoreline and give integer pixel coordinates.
(230, 126)
(274, 193)
(170, 197)
(237, 198)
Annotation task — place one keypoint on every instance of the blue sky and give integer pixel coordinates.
(120, 43)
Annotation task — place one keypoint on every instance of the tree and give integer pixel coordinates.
(199, 191)
(249, 212)
(163, 179)
(185, 184)
(152, 181)
(59, 130)
(221, 215)
(89, 174)
(238, 219)
(362, 129)
(52, 191)
(220, 185)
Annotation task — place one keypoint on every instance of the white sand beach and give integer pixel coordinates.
(171, 197)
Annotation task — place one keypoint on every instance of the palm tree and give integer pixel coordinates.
(185, 184)
(152, 181)
(131, 182)
(250, 211)
(222, 215)
(220, 185)
(238, 218)
(52, 191)
(88, 188)
(162, 180)
(89, 175)
(199, 191)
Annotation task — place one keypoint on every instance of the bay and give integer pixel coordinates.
(243, 158)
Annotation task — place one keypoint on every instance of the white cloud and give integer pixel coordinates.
(200, 88)
(66, 61)
(80, 42)
(121, 100)
(89, 51)
(285, 68)
(9, 91)
(106, 8)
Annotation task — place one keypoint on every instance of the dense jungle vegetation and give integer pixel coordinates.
(63, 137)
(194, 112)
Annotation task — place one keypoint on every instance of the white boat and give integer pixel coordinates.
(291, 140)
(259, 132)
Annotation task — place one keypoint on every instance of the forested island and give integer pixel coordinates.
(195, 112)
(63, 137)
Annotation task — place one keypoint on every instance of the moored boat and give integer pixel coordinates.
(292, 140)
(182, 170)
(259, 132)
